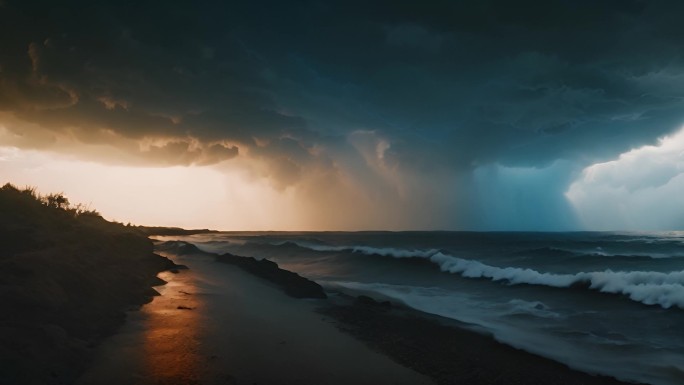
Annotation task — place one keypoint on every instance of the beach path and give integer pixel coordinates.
(216, 324)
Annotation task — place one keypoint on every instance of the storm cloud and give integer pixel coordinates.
(383, 114)
(641, 189)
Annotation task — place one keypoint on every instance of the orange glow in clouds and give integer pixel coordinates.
(190, 197)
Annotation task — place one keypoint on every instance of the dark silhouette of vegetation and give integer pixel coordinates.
(57, 200)
(53, 200)
(67, 276)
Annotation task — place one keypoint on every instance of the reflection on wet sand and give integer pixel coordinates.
(158, 345)
(172, 335)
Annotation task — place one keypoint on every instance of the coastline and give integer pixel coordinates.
(232, 326)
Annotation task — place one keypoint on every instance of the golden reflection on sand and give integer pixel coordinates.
(172, 338)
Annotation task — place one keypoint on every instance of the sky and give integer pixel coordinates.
(350, 115)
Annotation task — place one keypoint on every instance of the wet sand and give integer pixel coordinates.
(216, 324)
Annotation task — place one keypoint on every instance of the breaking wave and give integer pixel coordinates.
(647, 287)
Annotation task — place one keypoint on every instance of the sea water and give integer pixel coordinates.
(605, 303)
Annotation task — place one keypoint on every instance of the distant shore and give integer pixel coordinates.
(172, 231)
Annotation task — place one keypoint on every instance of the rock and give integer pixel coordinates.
(292, 284)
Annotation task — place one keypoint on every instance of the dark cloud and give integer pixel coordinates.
(441, 89)
(140, 71)
(187, 153)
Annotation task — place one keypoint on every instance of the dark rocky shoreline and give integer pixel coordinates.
(289, 282)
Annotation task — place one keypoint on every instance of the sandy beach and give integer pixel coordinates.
(216, 324)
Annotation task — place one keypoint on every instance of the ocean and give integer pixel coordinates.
(601, 302)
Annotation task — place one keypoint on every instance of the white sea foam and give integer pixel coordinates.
(648, 287)
(535, 308)
(594, 356)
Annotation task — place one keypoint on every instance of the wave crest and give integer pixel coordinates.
(647, 287)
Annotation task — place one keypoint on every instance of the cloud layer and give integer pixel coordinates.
(380, 114)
